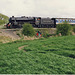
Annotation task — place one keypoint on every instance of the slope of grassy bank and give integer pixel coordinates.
(3, 19)
(55, 55)
(4, 39)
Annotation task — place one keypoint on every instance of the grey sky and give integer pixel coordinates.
(44, 8)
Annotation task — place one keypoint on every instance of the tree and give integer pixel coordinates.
(28, 29)
(63, 28)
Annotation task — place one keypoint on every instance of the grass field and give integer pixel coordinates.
(54, 55)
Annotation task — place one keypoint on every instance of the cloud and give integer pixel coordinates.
(44, 8)
(56, 8)
(17, 7)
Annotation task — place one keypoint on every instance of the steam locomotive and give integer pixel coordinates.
(38, 22)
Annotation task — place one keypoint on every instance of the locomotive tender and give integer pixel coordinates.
(37, 22)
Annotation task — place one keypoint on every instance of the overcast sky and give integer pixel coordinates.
(43, 8)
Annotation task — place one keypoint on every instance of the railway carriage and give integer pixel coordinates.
(69, 20)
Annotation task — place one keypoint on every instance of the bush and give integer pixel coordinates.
(64, 28)
(74, 29)
(28, 30)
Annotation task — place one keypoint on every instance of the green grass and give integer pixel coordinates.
(55, 55)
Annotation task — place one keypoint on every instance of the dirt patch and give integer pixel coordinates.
(73, 33)
(9, 33)
(30, 38)
(5, 39)
(22, 47)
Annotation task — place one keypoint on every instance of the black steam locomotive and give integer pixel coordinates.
(38, 22)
